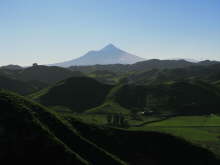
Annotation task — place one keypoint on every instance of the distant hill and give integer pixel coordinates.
(46, 74)
(136, 67)
(12, 67)
(105, 76)
(182, 98)
(108, 55)
(21, 87)
(207, 72)
(77, 93)
(143, 66)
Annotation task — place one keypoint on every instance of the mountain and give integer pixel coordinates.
(108, 55)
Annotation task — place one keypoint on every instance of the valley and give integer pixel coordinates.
(104, 116)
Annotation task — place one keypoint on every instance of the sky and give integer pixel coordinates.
(51, 31)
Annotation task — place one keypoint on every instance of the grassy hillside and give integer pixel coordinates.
(20, 87)
(23, 135)
(46, 74)
(201, 130)
(209, 73)
(139, 66)
(80, 94)
(105, 76)
(172, 98)
(138, 147)
(77, 93)
(30, 129)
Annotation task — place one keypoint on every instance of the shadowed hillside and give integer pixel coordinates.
(20, 87)
(31, 133)
(210, 73)
(151, 148)
(139, 66)
(45, 74)
(174, 98)
(77, 93)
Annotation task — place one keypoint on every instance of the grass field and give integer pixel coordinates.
(201, 130)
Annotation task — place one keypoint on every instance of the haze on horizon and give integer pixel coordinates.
(54, 31)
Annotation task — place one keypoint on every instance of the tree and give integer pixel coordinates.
(109, 119)
(35, 64)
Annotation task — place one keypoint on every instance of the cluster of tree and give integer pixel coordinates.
(117, 120)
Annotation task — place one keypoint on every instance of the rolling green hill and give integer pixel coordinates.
(31, 133)
(105, 76)
(139, 148)
(77, 93)
(139, 66)
(46, 74)
(202, 130)
(173, 98)
(21, 87)
(80, 94)
(209, 73)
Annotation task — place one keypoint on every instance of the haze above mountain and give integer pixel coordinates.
(108, 55)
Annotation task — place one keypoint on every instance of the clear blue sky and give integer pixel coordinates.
(48, 31)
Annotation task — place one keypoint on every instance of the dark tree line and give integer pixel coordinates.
(117, 120)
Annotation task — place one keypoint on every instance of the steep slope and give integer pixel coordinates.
(77, 93)
(30, 133)
(108, 55)
(25, 139)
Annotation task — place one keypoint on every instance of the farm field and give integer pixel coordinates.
(201, 130)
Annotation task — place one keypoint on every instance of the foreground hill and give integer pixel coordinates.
(77, 93)
(30, 133)
(28, 129)
(139, 148)
(108, 55)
